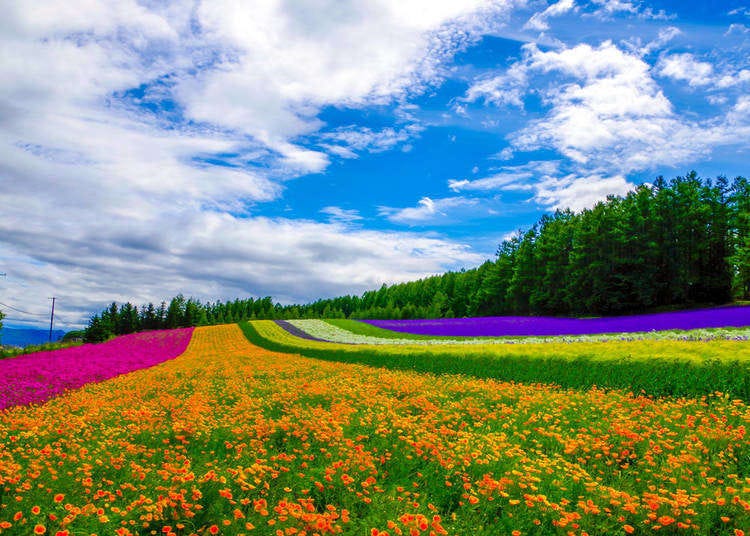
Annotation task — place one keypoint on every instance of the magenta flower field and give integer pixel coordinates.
(518, 326)
(34, 378)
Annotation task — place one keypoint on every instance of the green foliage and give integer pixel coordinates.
(74, 336)
(663, 246)
(667, 245)
(179, 312)
(363, 328)
(658, 368)
(16, 351)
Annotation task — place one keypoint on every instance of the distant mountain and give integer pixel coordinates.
(27, 336)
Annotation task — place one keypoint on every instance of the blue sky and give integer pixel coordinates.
(310, 149)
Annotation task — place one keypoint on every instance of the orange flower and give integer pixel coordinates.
(35, 510)
(628, 528)
(213, 529)
(59, 497)
(40, 529)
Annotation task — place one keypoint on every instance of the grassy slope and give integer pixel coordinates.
(671, 368)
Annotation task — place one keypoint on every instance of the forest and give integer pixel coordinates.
(669, 244)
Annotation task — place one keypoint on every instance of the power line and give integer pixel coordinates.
(22, 311)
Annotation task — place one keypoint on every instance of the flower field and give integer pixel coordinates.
(356, 332)
(654, 367)
(717, 317)
(42, 375)
(230, 438)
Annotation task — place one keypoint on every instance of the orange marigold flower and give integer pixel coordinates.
(213, 529)
(59, 497)
(35, 510)
(739, 532)
(666, 520)
(628, 528)
(40, 529)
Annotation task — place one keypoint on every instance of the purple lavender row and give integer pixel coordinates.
(294, 330)
(524, 326)
(34, 378)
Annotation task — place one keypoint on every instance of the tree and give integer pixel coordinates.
(97, 330)
(175, 312)
(739, 214)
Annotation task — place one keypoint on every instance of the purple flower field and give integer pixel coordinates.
(518, 326)
(42, 375)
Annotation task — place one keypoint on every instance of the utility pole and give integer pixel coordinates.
(52, 318)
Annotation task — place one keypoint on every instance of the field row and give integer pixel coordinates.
(655, 367)
(356, 332)
(36, 377)
(232, 439)
(716, 317)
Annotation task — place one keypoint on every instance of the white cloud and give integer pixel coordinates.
(428, 210)
(538, 21)
(106, 199)
(742, 11)
(606, 112)
(350, 140)
(207, 255)
(577, 193)
(283, 61)
(732, 79)
(608, 8)
(549, 187)
(610, 108)
(740, 113)
(686, 67)
(341, 215)
(493, 182)
(505, 89)
(736, 29)
(664, 36)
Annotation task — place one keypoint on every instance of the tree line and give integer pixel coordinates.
(668, 244)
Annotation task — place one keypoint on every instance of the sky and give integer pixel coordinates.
(308, 149)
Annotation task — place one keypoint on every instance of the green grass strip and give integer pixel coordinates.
(363, 328)
(661, 368)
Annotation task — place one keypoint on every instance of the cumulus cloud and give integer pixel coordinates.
(577, 193)
(548, 185)
(538, 21)
(432, 211)
(508, 88)
(606, 112)
(686, 67)
(286, 60)
(138, 139)
(209, 255)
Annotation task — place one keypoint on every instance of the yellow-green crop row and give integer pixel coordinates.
(655, 367)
